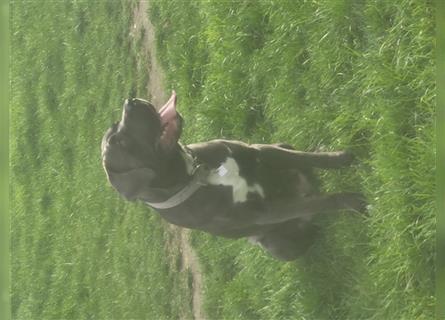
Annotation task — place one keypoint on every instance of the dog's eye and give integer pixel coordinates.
(113, 139)
(116, 140)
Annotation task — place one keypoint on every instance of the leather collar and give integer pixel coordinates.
(200, 175)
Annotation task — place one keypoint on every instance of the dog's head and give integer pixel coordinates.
(134, 149)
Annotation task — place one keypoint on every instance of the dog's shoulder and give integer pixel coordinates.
(216, 151)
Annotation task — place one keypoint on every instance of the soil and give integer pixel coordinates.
(141, 23)
(156, 93)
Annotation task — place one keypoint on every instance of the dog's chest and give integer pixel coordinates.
(228, 174)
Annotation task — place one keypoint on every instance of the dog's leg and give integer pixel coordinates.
(283, 157)
(290, 240)
(306, 208)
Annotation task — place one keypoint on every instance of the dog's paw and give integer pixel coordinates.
(345, 158)
(355, 202)
(361, 205)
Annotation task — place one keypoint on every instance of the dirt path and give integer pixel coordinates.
(157, 94)
(141, 22)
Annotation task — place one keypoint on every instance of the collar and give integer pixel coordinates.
(199, 174)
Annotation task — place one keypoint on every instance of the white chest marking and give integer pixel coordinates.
(228, 175)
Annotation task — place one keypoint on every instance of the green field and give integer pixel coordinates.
(78, 250)
(321, 75)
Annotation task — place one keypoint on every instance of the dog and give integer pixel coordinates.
(264, 192)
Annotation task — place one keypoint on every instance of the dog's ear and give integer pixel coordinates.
(133, 183)
(171, 124)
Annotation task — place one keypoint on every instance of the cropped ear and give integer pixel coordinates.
(132, 183)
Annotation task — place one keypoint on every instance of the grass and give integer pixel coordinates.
(78, 250)
(321, 75)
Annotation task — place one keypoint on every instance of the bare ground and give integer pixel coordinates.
(179, 237)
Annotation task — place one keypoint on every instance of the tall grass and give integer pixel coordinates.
(78, 250)
(322, 75)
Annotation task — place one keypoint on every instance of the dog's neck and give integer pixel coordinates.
(177, 168)
(188, 158)
(173, 174)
